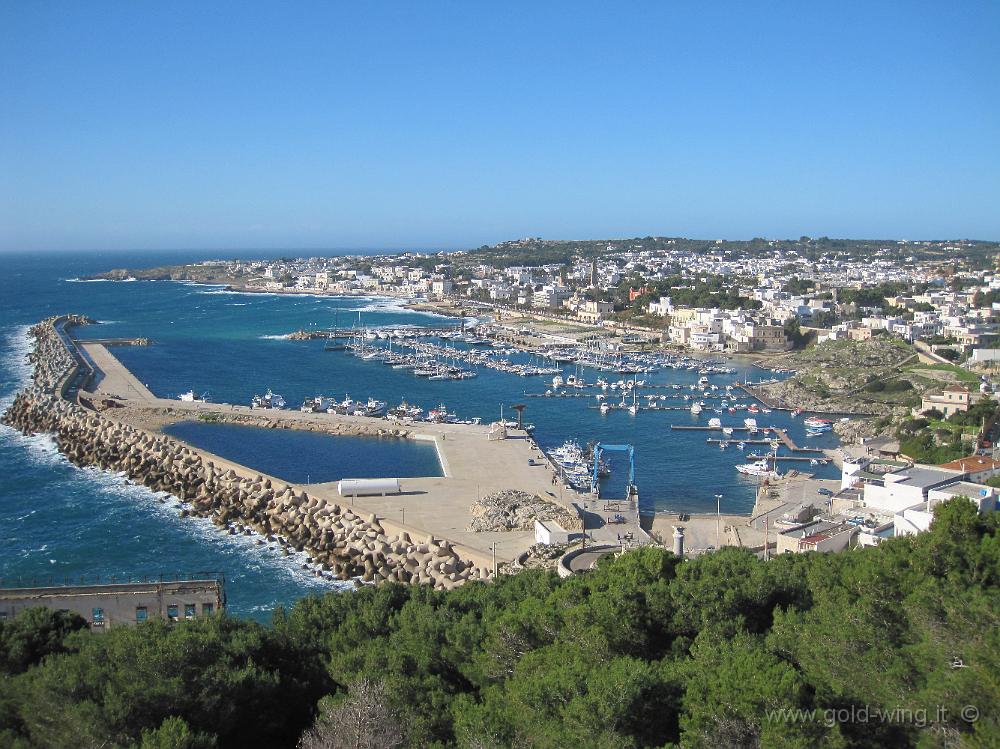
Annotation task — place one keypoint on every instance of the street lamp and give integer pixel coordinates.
(718, 521)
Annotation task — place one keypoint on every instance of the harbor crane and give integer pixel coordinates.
(630, 488)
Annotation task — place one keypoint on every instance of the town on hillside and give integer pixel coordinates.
(897, 338)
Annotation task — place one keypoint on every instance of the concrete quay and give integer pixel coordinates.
(473, 465)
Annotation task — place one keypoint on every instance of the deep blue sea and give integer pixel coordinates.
(60, 522)
(301, 457)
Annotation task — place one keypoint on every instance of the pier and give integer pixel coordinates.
(779, 434)
(473, 465)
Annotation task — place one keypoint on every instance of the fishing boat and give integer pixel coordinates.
(605, 407)
(268, 400)
(696, 408)
(817, 423)
(190, 397)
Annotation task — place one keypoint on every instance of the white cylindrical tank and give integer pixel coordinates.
(368, 487)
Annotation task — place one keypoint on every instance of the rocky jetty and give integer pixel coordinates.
(50, 358)
(343, 544)
(513, 510)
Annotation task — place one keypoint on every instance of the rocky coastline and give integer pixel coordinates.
(343, 544)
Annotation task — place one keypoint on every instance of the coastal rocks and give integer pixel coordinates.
(53, 363)
(341, 544)
(513, 510)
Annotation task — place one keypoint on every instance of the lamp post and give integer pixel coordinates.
(718, 521)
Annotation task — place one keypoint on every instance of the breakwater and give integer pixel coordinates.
(343, 544)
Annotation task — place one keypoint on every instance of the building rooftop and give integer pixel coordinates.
(965, 489)
(972, 464)
(921, 476)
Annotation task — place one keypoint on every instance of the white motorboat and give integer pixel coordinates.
(761, 468)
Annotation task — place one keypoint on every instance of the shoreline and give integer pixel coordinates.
(339, 542)
(456, 309)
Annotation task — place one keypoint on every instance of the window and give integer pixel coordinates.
(207, 609)
(141, 614)
(172, 612)
(189, 611)
(97, 616)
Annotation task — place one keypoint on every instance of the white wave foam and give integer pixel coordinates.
(168, 506)
(42, 450)
(14, 361)
(100, 280)
(281, 337)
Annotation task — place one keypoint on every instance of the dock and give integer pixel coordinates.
(779, 434)
(440, 505)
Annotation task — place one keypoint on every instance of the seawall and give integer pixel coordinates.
(345, 544)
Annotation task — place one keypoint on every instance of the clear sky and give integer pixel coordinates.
(434, 124)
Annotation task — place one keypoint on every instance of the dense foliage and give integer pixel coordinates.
(644, 651)
(710, 291)
(933, 439)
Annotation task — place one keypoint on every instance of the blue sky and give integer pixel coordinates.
(434, 124)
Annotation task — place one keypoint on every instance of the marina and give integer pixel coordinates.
(240, 357)
(438, 505)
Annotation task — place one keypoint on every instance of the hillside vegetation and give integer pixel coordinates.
(645, 651)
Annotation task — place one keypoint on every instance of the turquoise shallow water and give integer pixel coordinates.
(310, 457)
(60, 522)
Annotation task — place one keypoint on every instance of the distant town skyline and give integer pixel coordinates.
(449, 126)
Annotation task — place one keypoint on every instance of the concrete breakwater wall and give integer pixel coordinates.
(158, 418)
(344, 544)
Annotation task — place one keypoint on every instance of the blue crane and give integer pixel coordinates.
(598, 449)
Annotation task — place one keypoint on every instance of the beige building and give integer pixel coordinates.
(593, 312)
(117, 604)
(819, 535)
(954, 399)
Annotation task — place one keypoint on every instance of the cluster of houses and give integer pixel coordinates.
(578, 291)
(881, 498)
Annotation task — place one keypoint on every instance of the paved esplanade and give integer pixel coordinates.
(473, 465)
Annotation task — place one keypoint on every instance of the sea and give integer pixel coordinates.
(59, 523)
